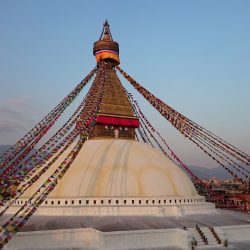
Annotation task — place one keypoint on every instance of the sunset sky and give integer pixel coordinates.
(194, 55)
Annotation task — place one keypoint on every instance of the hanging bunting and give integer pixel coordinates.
(188, 128)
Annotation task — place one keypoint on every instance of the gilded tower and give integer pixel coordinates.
(116, 117)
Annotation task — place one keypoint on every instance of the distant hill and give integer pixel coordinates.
(3, 148)
(207, 173)
(201, 172)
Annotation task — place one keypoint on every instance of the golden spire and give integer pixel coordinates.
(115, 118)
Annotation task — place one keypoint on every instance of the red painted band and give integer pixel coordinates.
(117, 121)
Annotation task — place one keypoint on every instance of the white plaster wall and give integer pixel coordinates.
(235, 233)
(92, 239)
(57, 239)
(96, 240)
(147, 239)
(202, 208)
(112, 210)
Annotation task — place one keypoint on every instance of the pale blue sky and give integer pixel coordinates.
(194, 55)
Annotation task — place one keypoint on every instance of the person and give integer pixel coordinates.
(206, 242)
(116, 132)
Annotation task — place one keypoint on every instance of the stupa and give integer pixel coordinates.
(120, 193)
(113, 173)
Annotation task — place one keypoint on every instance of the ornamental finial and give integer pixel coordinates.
(106, 48)
(106, 34)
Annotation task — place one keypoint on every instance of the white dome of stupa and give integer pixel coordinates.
(121, 168)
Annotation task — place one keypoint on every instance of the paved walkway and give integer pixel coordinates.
(120, 223)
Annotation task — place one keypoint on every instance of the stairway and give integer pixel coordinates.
(211, 240)
(205, 236)
(196, 236)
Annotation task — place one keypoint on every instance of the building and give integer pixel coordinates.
(230, 194)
